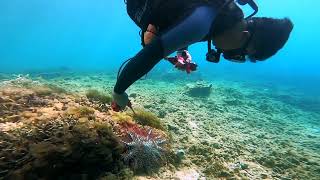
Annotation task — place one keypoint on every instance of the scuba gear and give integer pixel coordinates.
(235, 55)
(252, 4)
(167, 13)
(213, 55)
(239, 55)
(191, 29)
(180, 26)
(140, 12)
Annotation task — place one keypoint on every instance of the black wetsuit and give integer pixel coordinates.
(181, 23)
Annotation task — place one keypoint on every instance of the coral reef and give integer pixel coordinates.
(47, 150)
(41, 138)
(50, 135)
(238, 132)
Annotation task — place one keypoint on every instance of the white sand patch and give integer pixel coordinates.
(193, 125)
(188, 174)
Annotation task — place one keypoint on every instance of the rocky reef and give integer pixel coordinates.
(199, 89)
(49, 133)
(234, 132)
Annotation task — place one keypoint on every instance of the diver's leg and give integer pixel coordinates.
(190, 30)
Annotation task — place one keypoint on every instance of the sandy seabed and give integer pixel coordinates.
(237, 131)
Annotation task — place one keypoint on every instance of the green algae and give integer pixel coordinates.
(80, 112)
(42, 91)
(122, 117)
(56, 89)
(146, 118)
(95, 95)
(48, 89)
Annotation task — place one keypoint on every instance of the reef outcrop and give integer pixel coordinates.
(48, 133)
(199, 89)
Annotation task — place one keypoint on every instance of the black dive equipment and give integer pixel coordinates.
(252, 4)
(235, 55)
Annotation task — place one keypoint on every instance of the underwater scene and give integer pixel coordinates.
(60, 62)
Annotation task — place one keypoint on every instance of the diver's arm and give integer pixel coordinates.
(191, 30)
(139, 65)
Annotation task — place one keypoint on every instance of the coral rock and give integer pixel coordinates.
(199, 89)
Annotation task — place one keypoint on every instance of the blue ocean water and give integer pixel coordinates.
(98, 33)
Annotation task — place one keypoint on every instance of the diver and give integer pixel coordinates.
(173, 25)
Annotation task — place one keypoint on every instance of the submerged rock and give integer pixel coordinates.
(39, 141)
(180, 153)
(200, 89)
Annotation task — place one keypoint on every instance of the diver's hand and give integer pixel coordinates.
(120, 100)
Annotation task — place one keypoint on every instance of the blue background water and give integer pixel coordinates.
(98, 35)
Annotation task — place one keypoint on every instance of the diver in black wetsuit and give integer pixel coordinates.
(180, 23)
